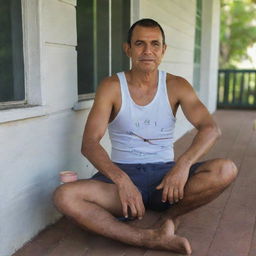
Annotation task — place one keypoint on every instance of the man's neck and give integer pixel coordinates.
(142, 79)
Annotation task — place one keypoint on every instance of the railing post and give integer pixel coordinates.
(243, 91)
(254, 101)
(218, 89)
(234, 88)
(226, 87)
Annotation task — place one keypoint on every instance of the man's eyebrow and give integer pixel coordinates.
(138, 41)
(153, 41)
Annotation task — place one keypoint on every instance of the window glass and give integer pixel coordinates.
(120, 27)
(11, 52)
(102, 26)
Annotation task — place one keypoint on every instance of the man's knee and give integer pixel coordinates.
(227, 172)
(62, 196)
(66, 195)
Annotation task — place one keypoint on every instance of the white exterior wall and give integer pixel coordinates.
(178, 21)
(41, 141)
(45, 139)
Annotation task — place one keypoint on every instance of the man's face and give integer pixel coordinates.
(146, 50)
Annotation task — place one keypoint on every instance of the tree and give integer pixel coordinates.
(238, 31)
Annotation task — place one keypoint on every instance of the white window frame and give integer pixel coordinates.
(85, 101)
(33, 105)
(91, 96)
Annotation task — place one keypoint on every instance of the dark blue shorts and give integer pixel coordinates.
(147, 177)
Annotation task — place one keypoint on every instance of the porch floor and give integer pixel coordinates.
(224, 227)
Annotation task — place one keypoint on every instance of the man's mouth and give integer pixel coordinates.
(146, 59)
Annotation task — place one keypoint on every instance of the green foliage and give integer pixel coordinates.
(238, 31)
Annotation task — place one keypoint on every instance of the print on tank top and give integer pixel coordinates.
(148, 136)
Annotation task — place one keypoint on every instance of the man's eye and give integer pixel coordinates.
(156, 44)
(138, 43)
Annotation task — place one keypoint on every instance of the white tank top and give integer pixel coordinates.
(143, 134)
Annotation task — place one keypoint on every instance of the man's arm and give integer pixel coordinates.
(95, 129)
(208, 132)
(198, 115)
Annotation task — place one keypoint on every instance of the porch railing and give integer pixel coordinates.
(237, 88)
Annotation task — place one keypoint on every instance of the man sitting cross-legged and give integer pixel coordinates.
(139, 107)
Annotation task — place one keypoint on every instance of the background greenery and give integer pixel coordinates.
(238, 31)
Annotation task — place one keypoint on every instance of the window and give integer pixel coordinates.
(11, 52)
(102, 26)
(197, 49)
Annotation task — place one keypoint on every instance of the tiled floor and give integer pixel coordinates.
(225, 227)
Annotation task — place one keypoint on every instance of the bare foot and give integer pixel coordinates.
(162, 220)
(165, 239)
(176, 223)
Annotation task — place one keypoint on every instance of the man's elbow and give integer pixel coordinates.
(84, 149)
(213, 129)
(219, 132)
(216, 131)
(87, 146)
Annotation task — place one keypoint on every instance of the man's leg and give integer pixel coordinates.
(94, 205)
(209, 181)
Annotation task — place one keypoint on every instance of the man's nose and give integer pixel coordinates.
(147, 49)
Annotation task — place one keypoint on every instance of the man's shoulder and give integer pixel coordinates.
(108, 88)
(178, 87)
(110, 81)
(177, 83)
(109, 84)
(175, 80)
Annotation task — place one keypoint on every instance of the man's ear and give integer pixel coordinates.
(164, 48)
(127, 49)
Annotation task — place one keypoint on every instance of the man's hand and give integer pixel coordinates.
(173, 183)
(131, 199)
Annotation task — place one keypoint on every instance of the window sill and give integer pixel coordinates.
(20, 113)
(83, 105)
